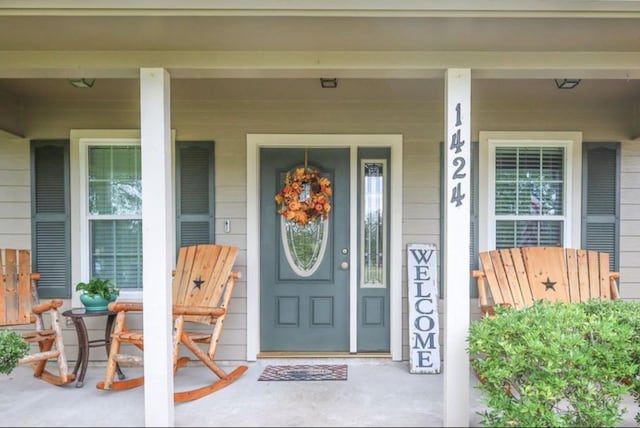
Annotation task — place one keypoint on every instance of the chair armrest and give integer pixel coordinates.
(198, 311)
(123, 305)
(482, 292)
(613, 284)
(47, 306)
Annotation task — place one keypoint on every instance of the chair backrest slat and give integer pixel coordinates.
(520, 276)
(3, 294)
(25, 297)
(16, 288)
(201, 275)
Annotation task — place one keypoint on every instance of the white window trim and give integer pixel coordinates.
(571, 141)
(385, 223)
(353, 141)
(79, 140)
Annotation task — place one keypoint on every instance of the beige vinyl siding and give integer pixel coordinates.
(630, 221)
(421, 124)
(15, 194)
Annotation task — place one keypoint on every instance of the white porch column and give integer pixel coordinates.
(456, 246)
(157, 246)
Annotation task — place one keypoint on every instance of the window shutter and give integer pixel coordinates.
(474, 239)
(50, 234)
(601, 199)
(195, 193)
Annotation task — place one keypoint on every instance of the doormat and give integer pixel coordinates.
(305, 372)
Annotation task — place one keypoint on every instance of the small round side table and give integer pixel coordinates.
(78, 315)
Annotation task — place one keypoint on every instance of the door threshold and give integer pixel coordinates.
(281, 354)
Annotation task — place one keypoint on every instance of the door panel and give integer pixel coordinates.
(301, 311)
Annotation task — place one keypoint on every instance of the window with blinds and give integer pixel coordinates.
(114, 202)
(529, 196)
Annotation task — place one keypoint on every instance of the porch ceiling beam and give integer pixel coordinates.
(551, 8)
(284, 64)
(10, 121)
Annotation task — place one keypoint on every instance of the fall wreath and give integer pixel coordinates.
(305, 197)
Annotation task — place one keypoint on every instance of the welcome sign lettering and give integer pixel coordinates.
(424, 329)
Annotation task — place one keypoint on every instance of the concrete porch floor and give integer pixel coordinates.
(378, 393)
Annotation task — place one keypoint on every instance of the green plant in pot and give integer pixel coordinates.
(97, 293)
(12, 349)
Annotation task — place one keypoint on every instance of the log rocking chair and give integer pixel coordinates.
(20, 308)
(202, 286)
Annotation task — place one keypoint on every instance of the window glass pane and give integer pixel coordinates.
(527, 201)
(116, 251)
(532, 233)
(529, 181)
(115, 206)
(114, 180)
(506, 164)
(528, 164)
(373, 223)
(304, 245)
(506, 197)
(529, 184)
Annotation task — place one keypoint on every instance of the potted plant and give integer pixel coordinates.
(12, 349)
(97, 293)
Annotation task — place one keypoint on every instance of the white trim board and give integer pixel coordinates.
(352, 141)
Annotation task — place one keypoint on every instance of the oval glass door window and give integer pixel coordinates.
(304, 246)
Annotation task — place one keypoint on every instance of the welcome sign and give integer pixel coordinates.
(424, 329)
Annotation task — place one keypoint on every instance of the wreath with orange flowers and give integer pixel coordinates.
(305, 197)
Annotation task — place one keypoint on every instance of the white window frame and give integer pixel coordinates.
(383, 162)
(572, 144)
(86, 216)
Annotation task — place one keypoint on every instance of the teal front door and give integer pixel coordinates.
(304, 270)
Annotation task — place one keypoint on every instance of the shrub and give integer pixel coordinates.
(12, 348)
(557, 364)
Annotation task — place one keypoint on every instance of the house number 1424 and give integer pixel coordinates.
(458, 162)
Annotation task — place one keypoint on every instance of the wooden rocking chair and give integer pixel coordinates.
(202, 286)
(519, 276)
(20, 307)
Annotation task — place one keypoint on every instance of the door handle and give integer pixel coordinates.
(344, 265)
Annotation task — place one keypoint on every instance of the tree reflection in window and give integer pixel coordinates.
(373, 240)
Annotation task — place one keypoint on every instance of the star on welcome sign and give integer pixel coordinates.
(548, 284)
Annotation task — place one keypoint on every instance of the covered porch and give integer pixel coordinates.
(377, 392)
(193, 75)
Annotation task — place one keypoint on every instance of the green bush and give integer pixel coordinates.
(557, 365)
(12, 348)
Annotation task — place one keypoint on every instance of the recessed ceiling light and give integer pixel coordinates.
(328, 83)
(567, 83)
(83, 82)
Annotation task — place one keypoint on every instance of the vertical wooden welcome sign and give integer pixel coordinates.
(424, 329)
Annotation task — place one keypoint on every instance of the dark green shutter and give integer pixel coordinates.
(473, 198)
(474, 238)
(601, 199)
(50, 228)
(195, 193)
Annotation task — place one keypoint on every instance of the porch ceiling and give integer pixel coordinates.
(199, 46)
(510, 91)
(300, 33)
(262, 56)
